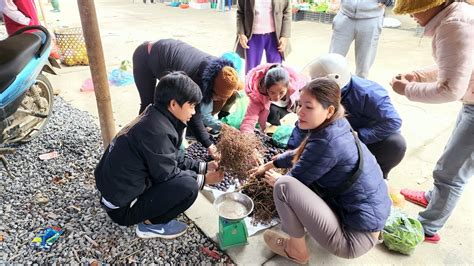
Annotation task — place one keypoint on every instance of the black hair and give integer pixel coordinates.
(179, 87)
(275, 74)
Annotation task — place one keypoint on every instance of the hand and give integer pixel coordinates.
(212, 166)
(261, 169)
(212, 151)
(214, 177)
(244, 41)
(399, 84)
(271, 177)
(411, 77)
(282, 44)
(257, 157)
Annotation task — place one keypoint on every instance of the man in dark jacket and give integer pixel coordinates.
(143, 176)
(369, 111)
(216, 77)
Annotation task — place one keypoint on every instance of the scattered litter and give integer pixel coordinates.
(58, 180)
(52, 216)
(119, 77)
(211, 253)
(91, 241)
(46, 238)
(87, 85)
(398, 200)
(75, 208)
(49, 155)
(391, 22)
(42, 199)
(421, 180)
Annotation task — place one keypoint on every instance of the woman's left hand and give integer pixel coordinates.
(271, 176)
(212, 151)
(282, 44)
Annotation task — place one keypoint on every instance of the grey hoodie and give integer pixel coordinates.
(360, 9)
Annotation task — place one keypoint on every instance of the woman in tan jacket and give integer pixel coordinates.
(263, 25)
(451, 25)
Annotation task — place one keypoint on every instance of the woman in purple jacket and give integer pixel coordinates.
(334, 190)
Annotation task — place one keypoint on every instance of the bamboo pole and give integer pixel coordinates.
(90, 27)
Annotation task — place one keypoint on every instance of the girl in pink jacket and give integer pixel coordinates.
(451, 25)
(271, 88)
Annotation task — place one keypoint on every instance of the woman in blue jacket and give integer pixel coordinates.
(334, 189)
(368, 109)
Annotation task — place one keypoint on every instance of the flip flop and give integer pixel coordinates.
(434, 239)
(415, 196)
(277, 243)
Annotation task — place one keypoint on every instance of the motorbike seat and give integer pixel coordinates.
(15, 53)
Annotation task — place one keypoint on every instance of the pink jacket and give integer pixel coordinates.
(452, 78)
(259, 104)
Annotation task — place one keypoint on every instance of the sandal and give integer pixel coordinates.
(434, 239)
(277, 243)
(415, 196)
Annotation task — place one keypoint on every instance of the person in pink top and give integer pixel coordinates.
(263, 25)
(451, 25)
(18, 14)
(273, 90)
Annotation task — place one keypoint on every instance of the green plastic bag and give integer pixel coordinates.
(281, 135)
(240, 108)
(402, 233)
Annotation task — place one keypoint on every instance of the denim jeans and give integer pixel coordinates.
(451, 174)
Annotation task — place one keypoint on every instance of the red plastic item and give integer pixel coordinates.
(211, 253)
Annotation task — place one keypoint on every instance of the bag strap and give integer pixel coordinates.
(325, 193)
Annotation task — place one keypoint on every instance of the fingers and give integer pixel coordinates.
(244, 41)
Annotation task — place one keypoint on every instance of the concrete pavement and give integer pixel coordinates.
(124, 25)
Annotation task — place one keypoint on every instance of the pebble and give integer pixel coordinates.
(33, 201)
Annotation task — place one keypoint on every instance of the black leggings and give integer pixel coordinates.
(160, 203)
(144, 77)
(389, 152)
(276, 113)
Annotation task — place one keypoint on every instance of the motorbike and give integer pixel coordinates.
(26, 94)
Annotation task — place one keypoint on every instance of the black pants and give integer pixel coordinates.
(144, 77)
(160, 203)
(389, 152)
(276, 113)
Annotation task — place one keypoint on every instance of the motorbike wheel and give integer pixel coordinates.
(42, 82)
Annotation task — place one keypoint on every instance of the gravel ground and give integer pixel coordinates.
(61, 191)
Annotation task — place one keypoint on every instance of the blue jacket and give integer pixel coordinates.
(329, 158)
(207, 118)
(369, 111)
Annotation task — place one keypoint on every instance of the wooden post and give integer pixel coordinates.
(43, 14)
(90, 27)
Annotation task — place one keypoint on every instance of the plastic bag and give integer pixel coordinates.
(281, 135)
(46, 238)
(118, 77)
(240, 108)
(402, 233)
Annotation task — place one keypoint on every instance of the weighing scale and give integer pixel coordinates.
(232, 208)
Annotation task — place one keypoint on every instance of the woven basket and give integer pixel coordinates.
(72, 46)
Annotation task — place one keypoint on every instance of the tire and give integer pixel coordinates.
(47, 92)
